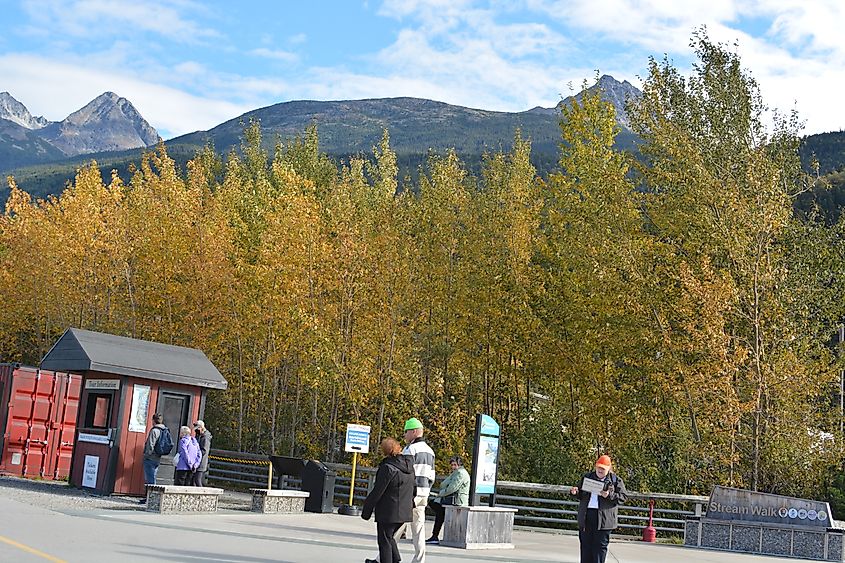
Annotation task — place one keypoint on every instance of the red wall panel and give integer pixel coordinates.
(40, 420)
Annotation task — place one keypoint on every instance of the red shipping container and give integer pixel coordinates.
(38, 410)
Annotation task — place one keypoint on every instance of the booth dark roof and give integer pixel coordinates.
(84, 350)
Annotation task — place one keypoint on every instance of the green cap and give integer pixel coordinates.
(413, 424)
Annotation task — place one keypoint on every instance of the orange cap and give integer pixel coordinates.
(603, 461)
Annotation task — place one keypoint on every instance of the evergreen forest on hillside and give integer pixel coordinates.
(674, 311)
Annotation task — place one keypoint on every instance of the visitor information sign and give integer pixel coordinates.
(357, 438)
(485, 458)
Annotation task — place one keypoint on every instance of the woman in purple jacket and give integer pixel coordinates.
(189, 457)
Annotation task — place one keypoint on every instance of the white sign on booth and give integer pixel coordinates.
(89, 474)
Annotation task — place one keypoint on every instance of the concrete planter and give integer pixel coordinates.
(275, 501)
(478, 527)
(170, 499)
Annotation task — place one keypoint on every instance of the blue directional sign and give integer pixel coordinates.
(489, 427)
(357, 438)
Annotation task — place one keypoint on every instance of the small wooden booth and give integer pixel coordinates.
(124, 382)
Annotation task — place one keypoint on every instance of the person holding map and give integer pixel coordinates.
(600, 493)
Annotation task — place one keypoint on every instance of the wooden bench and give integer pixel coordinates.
(273, 501)
(170, 499)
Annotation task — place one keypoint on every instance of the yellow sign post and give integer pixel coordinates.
(352, 486)
(357, 441)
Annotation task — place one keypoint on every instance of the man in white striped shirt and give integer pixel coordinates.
(424, 472)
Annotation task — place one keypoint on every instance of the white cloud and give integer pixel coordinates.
(190, 68)
(471, 74)
(797, 59)
(275, 54)
(457, 53)
(807, 26)
(81, 18)
(788, 81)
(432, 12)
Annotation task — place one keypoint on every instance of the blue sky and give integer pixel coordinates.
(189, 65)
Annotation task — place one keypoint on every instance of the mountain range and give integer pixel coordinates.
(44, 155)
(107, 123)
(415, 125)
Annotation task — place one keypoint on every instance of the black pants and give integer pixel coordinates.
(593, 541)
(199, 478)
(183, 477)
(388, 552)
(439, 515)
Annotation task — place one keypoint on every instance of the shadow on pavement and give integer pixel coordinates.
(165, 554)
(315, 530)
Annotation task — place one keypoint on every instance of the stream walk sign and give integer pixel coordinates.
(357, 438)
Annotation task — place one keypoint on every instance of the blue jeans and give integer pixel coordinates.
(150, 470)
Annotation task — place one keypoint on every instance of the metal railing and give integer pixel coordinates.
(238, 469)
(364, 479)
(538, 505)
(545, 505)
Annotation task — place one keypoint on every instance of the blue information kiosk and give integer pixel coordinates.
(479, 526)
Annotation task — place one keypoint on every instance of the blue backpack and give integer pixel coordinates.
(164, 445)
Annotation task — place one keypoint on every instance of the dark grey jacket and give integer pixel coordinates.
(204, 440)
(150, 443)
(608, 507)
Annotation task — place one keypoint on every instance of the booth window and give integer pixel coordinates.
(99, 410)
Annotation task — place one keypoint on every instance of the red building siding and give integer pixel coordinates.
(129, 477)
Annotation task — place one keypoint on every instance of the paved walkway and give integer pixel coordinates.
(30, 533)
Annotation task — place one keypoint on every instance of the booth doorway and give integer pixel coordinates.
(175, 408)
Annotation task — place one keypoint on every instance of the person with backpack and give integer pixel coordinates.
(598, 510)
(159, 442)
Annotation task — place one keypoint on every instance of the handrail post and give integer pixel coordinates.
(649, 533)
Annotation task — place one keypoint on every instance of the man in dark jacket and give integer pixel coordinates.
(151, 458)
(392, 499)
(600, 493)
(204, 439)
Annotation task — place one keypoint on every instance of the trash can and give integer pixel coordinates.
(318, 480)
